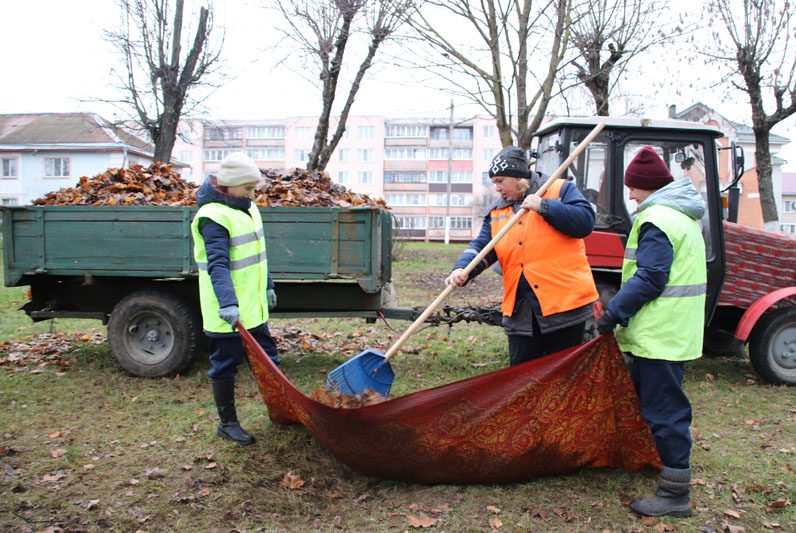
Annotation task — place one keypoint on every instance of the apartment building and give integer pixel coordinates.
(787, 212)
(407, 162)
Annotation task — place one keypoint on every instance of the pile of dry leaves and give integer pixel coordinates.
(157, 184)
(160, 184)
(45, 349)
(333, 398)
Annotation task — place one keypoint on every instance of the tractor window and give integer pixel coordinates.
(549, 154)
(588, 171)
(684, 161)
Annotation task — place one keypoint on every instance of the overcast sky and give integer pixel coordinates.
(55, 60)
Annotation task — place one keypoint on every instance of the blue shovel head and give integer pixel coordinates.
(368, 370)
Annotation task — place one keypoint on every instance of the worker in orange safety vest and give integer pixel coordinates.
(548, 288)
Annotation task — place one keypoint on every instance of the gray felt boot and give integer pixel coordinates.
(672, 497)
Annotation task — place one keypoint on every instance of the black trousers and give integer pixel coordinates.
(523, 348)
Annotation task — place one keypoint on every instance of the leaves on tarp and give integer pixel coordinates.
(157, 184)
(45, 349)
(332, 398)
(161, 184)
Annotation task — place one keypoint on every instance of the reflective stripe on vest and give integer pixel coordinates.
(248, 266)
(554, 264)
(671, 326)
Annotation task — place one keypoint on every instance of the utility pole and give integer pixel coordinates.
(450, 170)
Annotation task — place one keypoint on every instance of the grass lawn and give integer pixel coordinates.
(86, 447)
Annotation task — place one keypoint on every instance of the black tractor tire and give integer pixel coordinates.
(772, 346)
(153, 334)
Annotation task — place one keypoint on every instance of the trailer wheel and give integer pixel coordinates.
(772, 346)
(153, 334)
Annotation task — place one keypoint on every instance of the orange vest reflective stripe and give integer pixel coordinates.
(554, 264)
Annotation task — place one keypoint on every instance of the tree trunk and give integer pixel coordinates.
(768, 202)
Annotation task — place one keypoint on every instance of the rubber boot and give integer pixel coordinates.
(228, 426)
(673, 497)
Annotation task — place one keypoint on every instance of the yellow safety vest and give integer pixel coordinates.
(671, 326)
(248, 266)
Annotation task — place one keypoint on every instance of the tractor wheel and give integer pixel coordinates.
(772, 346)
(153, 334)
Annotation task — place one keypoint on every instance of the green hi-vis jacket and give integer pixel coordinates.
(670, 327)
(248, 266)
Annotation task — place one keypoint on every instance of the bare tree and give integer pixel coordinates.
(607, 34)
(495, 72)
(323, 30)
(755, 42)
(158, 75)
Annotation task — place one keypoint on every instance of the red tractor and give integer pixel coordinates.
(751, 273)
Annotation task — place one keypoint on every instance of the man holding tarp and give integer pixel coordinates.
(660, 311)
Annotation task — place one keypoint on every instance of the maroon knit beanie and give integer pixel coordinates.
(647, 171)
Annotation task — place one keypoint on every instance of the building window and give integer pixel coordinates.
(365, 154)
(462, 154)
(457, 176)
(409, 222)
(216, 155)
(456, 222)
(9, 200)
(440, 133)
(399, 199)
(366, 132)
(789, 206)
(342, 177)
(266, 154)
(405, 130)
(56, 167)
(490, 132)
(185, 156)
(404, 177)
(342, 154)
(457, 200)
(301, 154)
(485, 179)
(223, 134)
(302, 132)
(489, 153)
(364, 177)
(8, 167)
(438, 153)
(404, 153)
(265, 132)
(789, 229)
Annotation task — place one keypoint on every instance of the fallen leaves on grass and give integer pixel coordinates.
(292, 481)
(421, 521)
(333, 398)
(45, 349)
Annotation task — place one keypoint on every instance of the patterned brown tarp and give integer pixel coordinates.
(567, 411)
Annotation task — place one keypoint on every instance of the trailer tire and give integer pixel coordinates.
(153, 334)
(772, 346)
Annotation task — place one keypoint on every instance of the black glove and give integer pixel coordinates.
(606, 324)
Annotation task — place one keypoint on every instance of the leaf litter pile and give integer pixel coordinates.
(44, 350)
(161, 184)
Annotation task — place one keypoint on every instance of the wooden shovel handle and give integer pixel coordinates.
(491, 244)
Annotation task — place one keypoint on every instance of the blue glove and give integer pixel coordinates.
(229, 314)
(271, 293)
(606, 324)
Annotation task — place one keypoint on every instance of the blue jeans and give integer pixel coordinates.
(226, 353)
(665, 407)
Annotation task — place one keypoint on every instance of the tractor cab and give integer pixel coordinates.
(690, 151)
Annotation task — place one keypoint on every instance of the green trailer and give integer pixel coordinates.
(133, 268)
